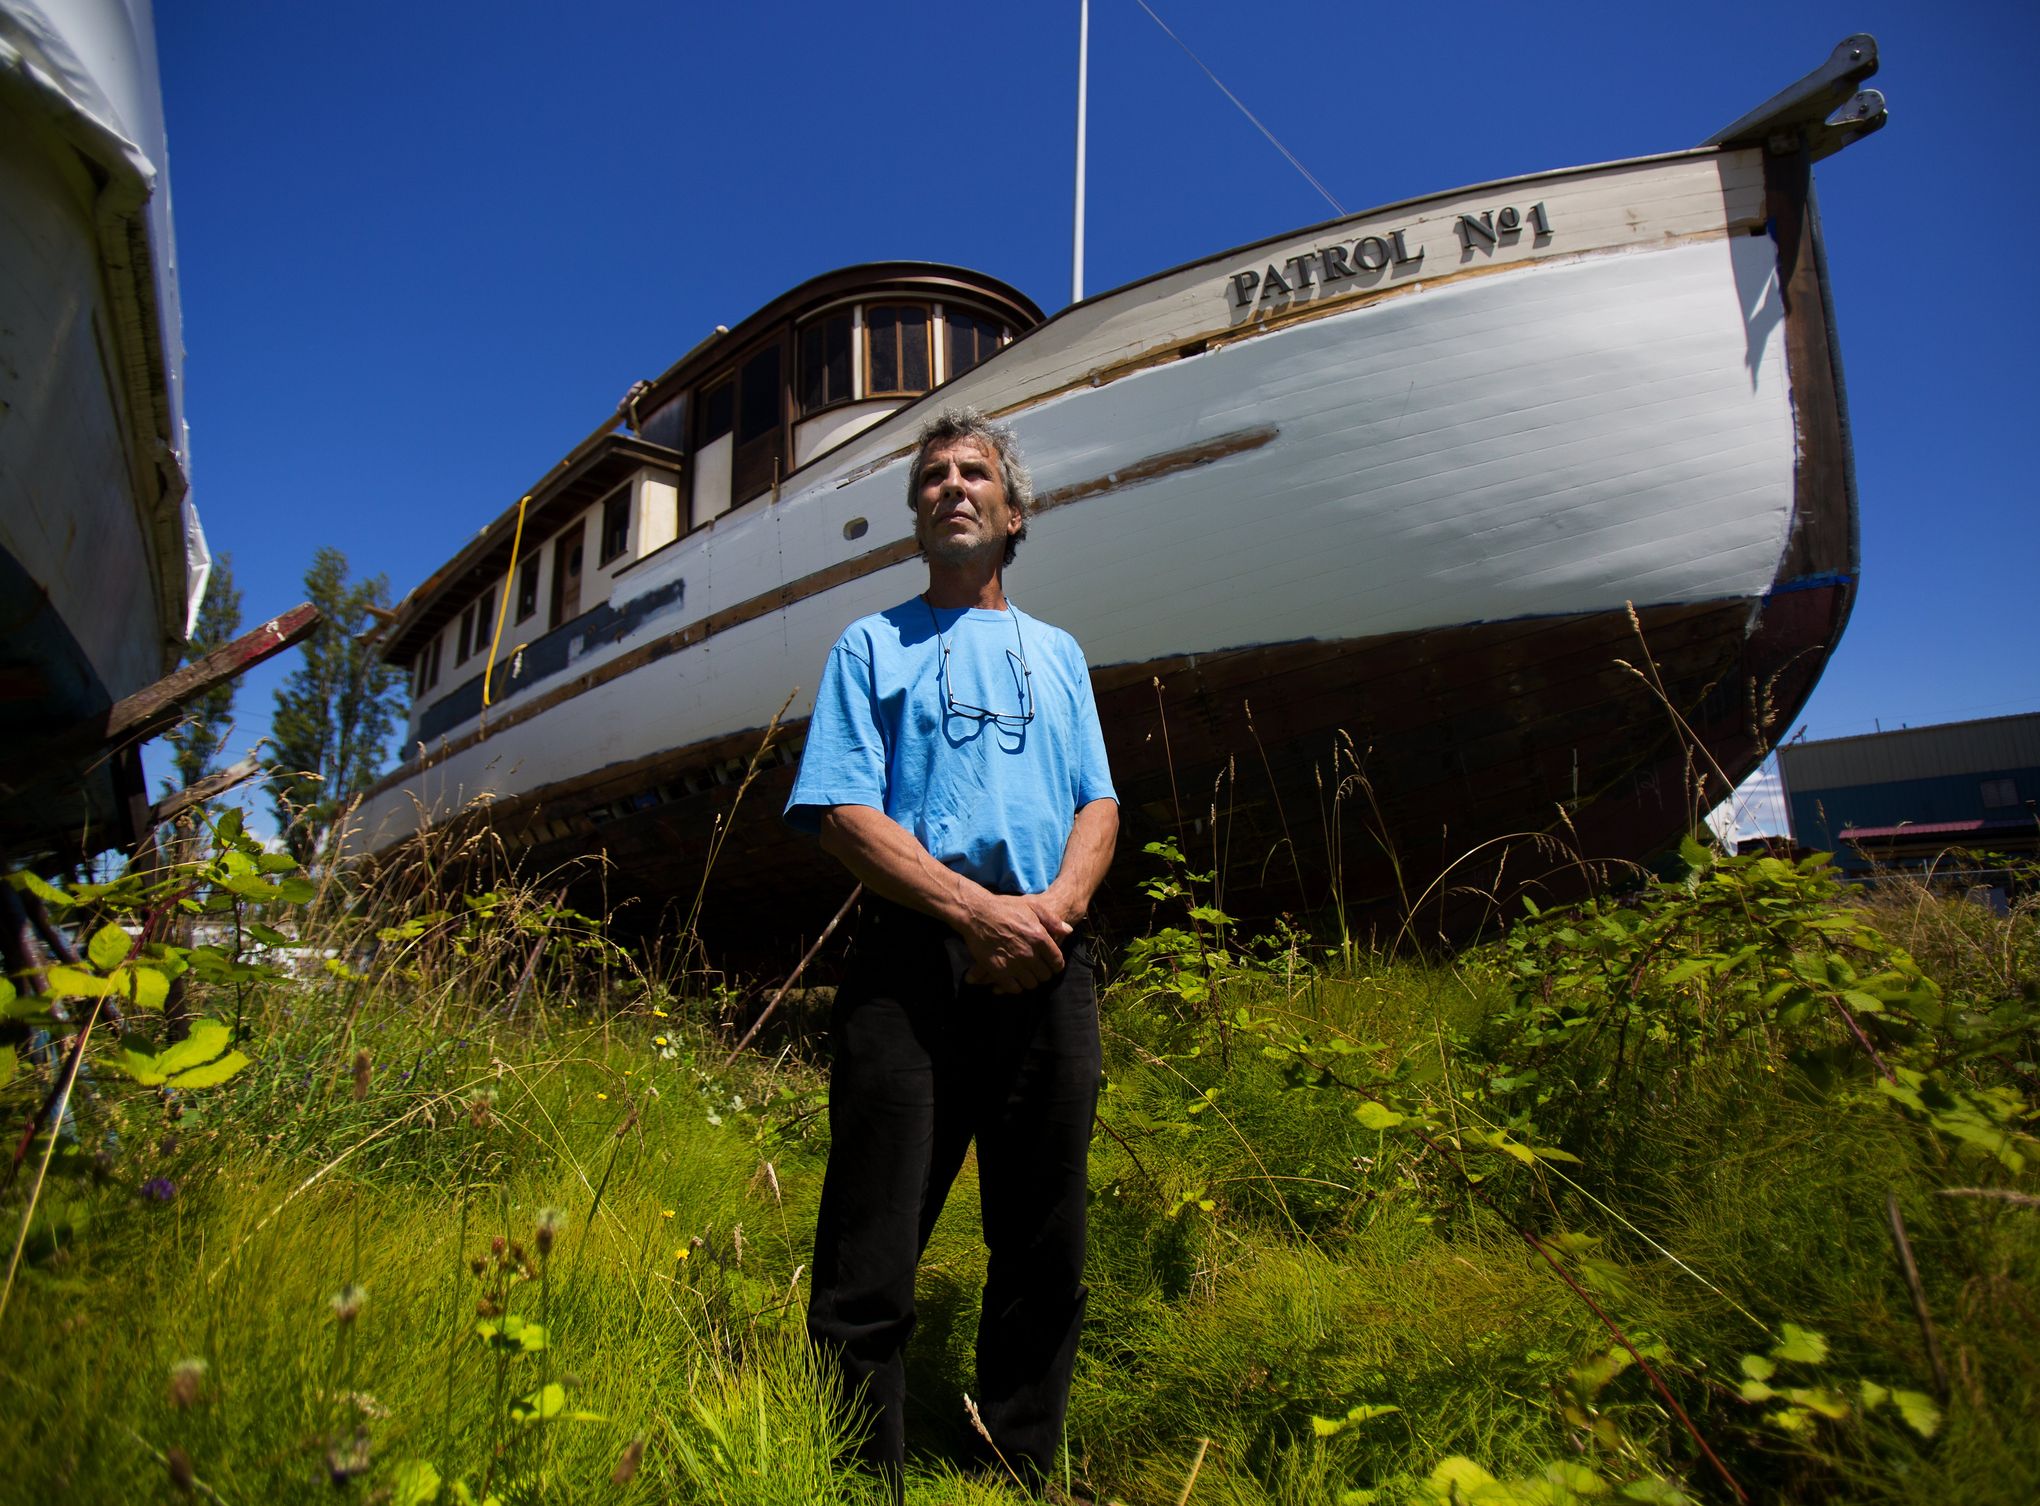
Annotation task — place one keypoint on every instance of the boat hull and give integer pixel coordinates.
(1420, 520)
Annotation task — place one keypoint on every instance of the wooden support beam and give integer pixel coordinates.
(172, 806)
(149, 711)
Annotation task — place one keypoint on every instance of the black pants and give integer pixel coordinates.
(924, 1063)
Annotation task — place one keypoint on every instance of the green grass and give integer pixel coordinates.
(1262, 1263)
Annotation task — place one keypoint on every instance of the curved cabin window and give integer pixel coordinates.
(897, 354)
(825, 362)
(972, 339)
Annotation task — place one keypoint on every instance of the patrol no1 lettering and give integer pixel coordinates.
(1330, 265)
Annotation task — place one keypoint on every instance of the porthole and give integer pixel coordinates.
(856, 528)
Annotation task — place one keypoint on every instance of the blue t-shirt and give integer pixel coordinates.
(899, 729)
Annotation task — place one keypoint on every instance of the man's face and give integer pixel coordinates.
(961, 513)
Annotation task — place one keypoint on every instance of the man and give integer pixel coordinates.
(955, 765)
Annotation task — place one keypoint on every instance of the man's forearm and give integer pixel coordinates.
(1086, 856)
(888, 861)
(1012, 944)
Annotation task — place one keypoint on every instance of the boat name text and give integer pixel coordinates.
(1361, 263)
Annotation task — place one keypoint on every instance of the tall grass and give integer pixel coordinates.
(1292, 1301)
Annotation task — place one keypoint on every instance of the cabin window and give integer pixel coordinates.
(825, 362)
(761, 398)
(2000, 794)
(467, 635)
(972, 339)
(667, 424)
(615, 525)
(527, 587)
(425, 673)
(485, 619)
(896, 350)
(566, 581)
(716, 415)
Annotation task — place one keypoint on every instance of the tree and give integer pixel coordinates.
(195, 740)
(335, 713)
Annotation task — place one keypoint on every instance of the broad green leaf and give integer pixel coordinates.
(142, 987)
(1577, 1478)
(542, 1405)
(207, 1040)
(41, 888)
(109, 947)
(1655, 1492)
(1550, 1153)
(1872, 1394)
(212, 1074)
(1919, 1411)
(1367, 1411)
(8, 1065)
(1694, 855)
(75, 983)
(1326, 1427)
(1800, 1344)
(270, 936)
(1458, 1474)
(1819, 1399)
(414, 1483)
(1757, 1368)
(1377, 1116)
(1503, 1143)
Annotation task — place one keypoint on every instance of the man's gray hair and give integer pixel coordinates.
(953, 424)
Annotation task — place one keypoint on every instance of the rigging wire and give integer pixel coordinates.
(1285, 151)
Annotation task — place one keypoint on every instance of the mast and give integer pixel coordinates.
(1083, 84)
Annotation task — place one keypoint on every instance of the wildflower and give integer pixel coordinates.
(498, 1245)
(658, 1040)
(345, 1460)
(187, 1384)
(361, 1074)
(159, 1189)
(660, 1013)
(627, 1466)
(667, 1214)
(478, 1265)
(681, 1254)
(347, 1303)
(549, 1221)
(602, 1098)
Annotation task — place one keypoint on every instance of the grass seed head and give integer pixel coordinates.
(627, 1464)
(347, 1303)
(187, 1384)
(362, 1073)
(549, 1221)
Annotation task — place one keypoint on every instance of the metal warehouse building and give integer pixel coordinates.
(1906, 797)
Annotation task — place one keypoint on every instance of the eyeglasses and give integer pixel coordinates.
(1005, 721)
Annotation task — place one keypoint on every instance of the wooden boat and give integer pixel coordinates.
(1411, 483)
(102, 559)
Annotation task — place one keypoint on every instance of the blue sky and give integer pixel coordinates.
(425, 248)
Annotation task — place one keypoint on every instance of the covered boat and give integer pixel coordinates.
(102, 561)
(1520, 509)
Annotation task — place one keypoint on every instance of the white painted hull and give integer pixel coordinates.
(102, 560)
(1555, 428)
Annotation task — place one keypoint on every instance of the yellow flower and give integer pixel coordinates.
(681, 1253)
(601, 1097)
(667, 1214)
(659, 1013)
(658, 1040)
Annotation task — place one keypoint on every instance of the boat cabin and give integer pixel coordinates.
(725, 428)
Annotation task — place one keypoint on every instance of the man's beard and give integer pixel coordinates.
(957, 551)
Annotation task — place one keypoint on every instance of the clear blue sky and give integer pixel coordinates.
(425, 248)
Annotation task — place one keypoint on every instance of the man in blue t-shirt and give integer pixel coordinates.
(955, 765)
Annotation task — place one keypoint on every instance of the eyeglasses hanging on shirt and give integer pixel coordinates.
(1005, 721)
